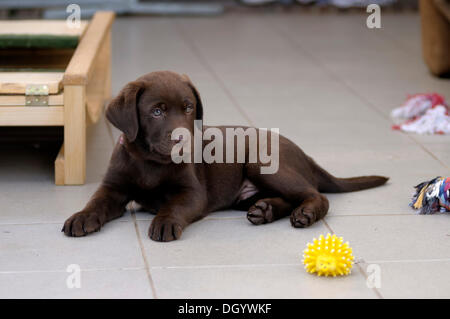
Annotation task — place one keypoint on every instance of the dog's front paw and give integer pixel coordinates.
(165, 229)
(81, 224)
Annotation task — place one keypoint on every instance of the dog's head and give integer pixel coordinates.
(149, 109)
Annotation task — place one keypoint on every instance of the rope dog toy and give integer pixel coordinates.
(432, 196)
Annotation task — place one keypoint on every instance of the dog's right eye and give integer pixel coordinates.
(156, 112)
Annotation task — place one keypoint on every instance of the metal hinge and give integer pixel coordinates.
(36, 95)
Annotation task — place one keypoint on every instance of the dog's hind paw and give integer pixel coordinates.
(260, 213)
(301, 218)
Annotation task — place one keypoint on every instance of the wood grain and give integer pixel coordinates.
(74, 134)
(31, 116)
(81, 65)
(19, 100)
(16, 82)
(41, 27)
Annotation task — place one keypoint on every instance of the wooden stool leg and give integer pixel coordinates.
(74, 134)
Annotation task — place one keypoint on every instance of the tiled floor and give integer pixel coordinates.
(328, 83)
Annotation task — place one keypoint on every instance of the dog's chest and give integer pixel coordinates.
(147, 178)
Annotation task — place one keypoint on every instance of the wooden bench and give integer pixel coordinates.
(58, 86)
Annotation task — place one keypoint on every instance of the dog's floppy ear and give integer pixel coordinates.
(199, 110)
(122, 110)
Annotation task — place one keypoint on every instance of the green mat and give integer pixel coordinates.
(31, 70)
(45, 41)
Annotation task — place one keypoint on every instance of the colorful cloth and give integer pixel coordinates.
(432, 196)
(424, 114)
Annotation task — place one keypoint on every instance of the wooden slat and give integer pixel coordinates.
(31, 116)
(16, 82)
(16, 100)
(74, 134)
(98, 89)
(41, 27)
(59, 167)
(80, 67)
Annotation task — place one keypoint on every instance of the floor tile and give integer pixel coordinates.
(442, 152)
(94, 284)
(429, 279)
(141, 214)
(256, 282)
(404, 29)
(426, 140)
(231, 242)
(29, 184)
(39, 247)
(395, 238)
(51, 204)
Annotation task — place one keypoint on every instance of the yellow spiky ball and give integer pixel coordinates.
(328, 256)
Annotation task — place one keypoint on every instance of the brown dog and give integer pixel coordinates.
(141, 169)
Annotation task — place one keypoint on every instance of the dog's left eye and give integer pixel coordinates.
(188, 108)
(156, 111)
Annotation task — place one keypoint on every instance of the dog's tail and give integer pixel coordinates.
(328, 183)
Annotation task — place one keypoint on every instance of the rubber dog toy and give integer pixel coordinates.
(328, 256)
(432, 196)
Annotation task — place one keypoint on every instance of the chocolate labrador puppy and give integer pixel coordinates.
(141, 169)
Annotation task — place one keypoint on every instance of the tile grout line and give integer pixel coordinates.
(372, 215)
(407, 261)
(361, 270)
(217, 218)
(210, 69)
(227, 266)
(362, 261)
(397, 44)
(213, 218)
(46, 223)
(6, 272)
(423, 147)
(294, 264)
(141, 246)
(367, 103)
(205, 218)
